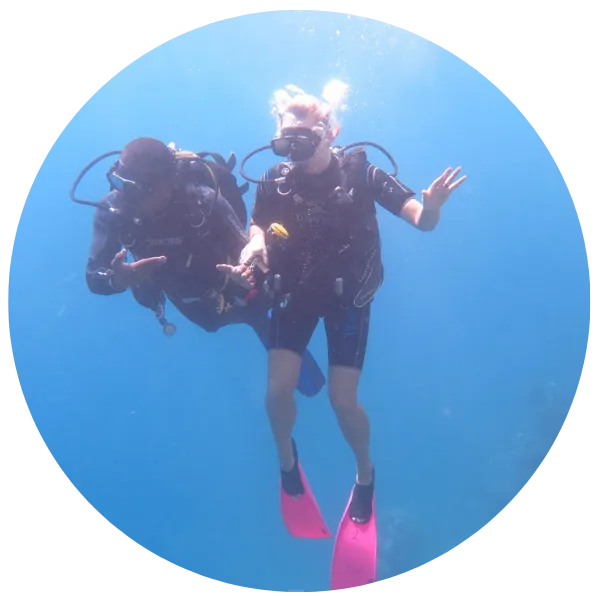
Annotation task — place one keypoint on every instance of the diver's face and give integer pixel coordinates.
(146, 191)
(308, 143)
(159, 197)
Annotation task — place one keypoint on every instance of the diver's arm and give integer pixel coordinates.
(255, 230)
(263, 215)
(105, 245)
(264, 207)
(254, 253)
(398, 199)
(419, 216)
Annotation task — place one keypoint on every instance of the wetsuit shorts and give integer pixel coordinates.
(346, 329)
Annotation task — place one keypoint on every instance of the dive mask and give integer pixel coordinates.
(299, 144)
(133, 186)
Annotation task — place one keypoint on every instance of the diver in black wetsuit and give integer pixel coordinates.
(328, 265)
(171, 216)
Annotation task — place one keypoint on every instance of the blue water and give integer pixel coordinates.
(477, 341)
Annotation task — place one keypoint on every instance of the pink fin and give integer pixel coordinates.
(302, 516)
(355, 552)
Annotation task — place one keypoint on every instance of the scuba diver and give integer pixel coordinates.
(315, 228)
(178, 215)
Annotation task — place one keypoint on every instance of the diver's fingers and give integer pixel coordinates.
(145, 267)
(149, 263)
(248, 277)
(452, 176)
(441, 179)
(457, 183)
(239, 273)
(119, 257)
(236, 270)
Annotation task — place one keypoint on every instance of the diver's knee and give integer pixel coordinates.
(343, 405)
(343, 390)
(279, 389)
(343, 399)
(284, 368)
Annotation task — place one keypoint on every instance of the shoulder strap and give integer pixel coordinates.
(354, 168)
(281, 170)
(219, 172)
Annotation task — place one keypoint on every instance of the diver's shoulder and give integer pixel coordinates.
(352, 155)
(272, 176)
(277, 170)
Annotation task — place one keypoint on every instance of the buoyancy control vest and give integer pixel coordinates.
(332, 248)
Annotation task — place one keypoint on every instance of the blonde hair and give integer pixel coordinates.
(292, 99)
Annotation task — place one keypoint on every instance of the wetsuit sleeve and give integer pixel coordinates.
(104, 246)
(265, 209)
(388, 191)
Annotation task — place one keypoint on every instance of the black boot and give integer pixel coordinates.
(361, 504)
(291, 482)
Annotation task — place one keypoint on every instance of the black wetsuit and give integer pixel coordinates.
(196, 232)
(333, 233)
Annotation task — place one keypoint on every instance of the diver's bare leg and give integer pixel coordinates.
(283, 371)
(352, 419)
